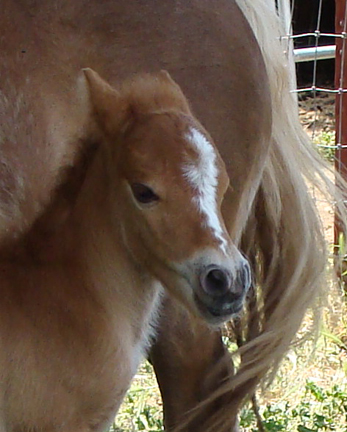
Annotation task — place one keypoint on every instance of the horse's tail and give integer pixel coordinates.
(284, 235)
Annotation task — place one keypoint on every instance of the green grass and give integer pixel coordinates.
(141, 409)
(318, 409)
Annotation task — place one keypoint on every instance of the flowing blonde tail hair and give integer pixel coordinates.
(284, 236)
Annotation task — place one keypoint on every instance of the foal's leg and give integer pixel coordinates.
(190, 362)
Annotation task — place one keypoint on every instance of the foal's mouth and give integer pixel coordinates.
(217, 312)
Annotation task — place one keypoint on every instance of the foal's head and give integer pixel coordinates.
(169, 184)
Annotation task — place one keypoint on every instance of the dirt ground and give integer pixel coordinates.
(317, 115)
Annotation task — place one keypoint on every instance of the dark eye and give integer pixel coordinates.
(143, 194)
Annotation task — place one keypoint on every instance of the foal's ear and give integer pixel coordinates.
(178, 95)
(166, 77)
(110, 109)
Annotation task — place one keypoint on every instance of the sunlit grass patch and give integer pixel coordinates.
(318, 409)
(142, 407)
(325, 142)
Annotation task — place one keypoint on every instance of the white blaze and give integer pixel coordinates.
(203, 176)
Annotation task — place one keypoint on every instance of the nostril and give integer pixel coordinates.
(216, 281)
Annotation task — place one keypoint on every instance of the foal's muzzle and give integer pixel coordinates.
(221, 293)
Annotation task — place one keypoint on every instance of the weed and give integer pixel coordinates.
(325, 142)
(141, 409)
(318, 410)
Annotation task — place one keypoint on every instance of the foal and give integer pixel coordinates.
(136, 211)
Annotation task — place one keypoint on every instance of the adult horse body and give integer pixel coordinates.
(79, 294)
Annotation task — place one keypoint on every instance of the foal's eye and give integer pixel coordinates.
(143, 194)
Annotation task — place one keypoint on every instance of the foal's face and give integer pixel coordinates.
(170, 184)
(173, 182)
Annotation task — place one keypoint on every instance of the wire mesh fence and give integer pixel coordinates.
(311, 45)
(314, 37)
